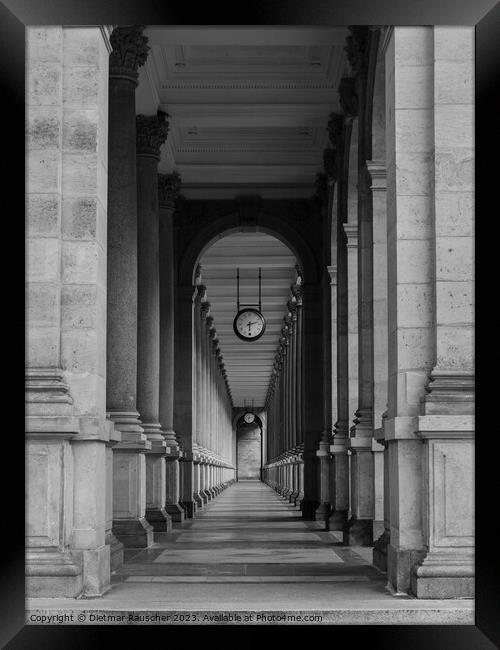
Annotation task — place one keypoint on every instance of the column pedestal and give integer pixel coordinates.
(172, 484)
(156, 514)
(129, 483)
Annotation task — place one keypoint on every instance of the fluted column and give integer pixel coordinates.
(129, 464)
(168, 191)
(151, 135)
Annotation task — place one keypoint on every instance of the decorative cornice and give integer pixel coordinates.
(348, 97)
(169, 186)
(351, 231)
(357, 48)
(377, 173)
(332, 272)
(130, 51)
(152, 131)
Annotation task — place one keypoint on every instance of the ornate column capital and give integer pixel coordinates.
(205, 309)
(298, 293)
(330, 164)
(348, 97)
(200, 294)
(357, 48)
(152, 131)
(169, 186)
(334, 128)
(130, 51)
(321, 187)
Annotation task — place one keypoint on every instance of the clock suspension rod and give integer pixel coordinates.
(238, 288)
(260, 288)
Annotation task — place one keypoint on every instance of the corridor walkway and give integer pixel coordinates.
(250, 551)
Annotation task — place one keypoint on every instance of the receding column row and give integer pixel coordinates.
(284, 471)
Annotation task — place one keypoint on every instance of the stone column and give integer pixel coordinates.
(168, 190)
(183, 390)
(68, 538)
(130, 525)
(151, 134)
(410, 197)
(377, 173)
(313, 401)
(446, 426)
(339, 472)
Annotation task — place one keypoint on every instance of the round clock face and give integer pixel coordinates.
(249, 324)
(249, 417)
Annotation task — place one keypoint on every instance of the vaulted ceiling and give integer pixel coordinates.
(248, 111)
(248, 364)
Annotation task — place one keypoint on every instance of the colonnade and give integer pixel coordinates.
(284, 470)
(369, 411)
(214, 440)
(397, 202)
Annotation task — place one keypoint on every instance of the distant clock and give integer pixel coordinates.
(249, 324)
(249, 418)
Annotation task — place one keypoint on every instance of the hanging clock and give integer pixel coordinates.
(249, 324)
(249, 417)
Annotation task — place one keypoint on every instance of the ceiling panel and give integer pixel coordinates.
(248, 106)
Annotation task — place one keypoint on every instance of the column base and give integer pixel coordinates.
(198, 500)
(205, 495)
(133, 533)
(115, 551)
(309, 509)
(443, 575)
(159, 519)
(293, 498)
(380, 551)
(358, 532)
(190, 508)
(53, 574)
(323, 512)
(176, 512)
(400, 564)
(338, 520)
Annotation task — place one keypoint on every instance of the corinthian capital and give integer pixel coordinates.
(169, 186)
(130, 51)
(335, 125)
(152, 131)
(357, 48)
(348, 96)
(330, 164)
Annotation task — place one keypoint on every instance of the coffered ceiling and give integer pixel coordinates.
(248, 106)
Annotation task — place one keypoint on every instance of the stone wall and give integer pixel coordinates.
(249, 454)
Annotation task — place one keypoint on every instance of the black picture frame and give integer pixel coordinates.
(485, 14)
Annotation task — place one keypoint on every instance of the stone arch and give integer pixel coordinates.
(231, 223)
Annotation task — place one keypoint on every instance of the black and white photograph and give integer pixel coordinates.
(250, 328)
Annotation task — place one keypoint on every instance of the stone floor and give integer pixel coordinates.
(249, 551)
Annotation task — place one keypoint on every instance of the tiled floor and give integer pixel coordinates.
(249, 550)
(248, 531)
